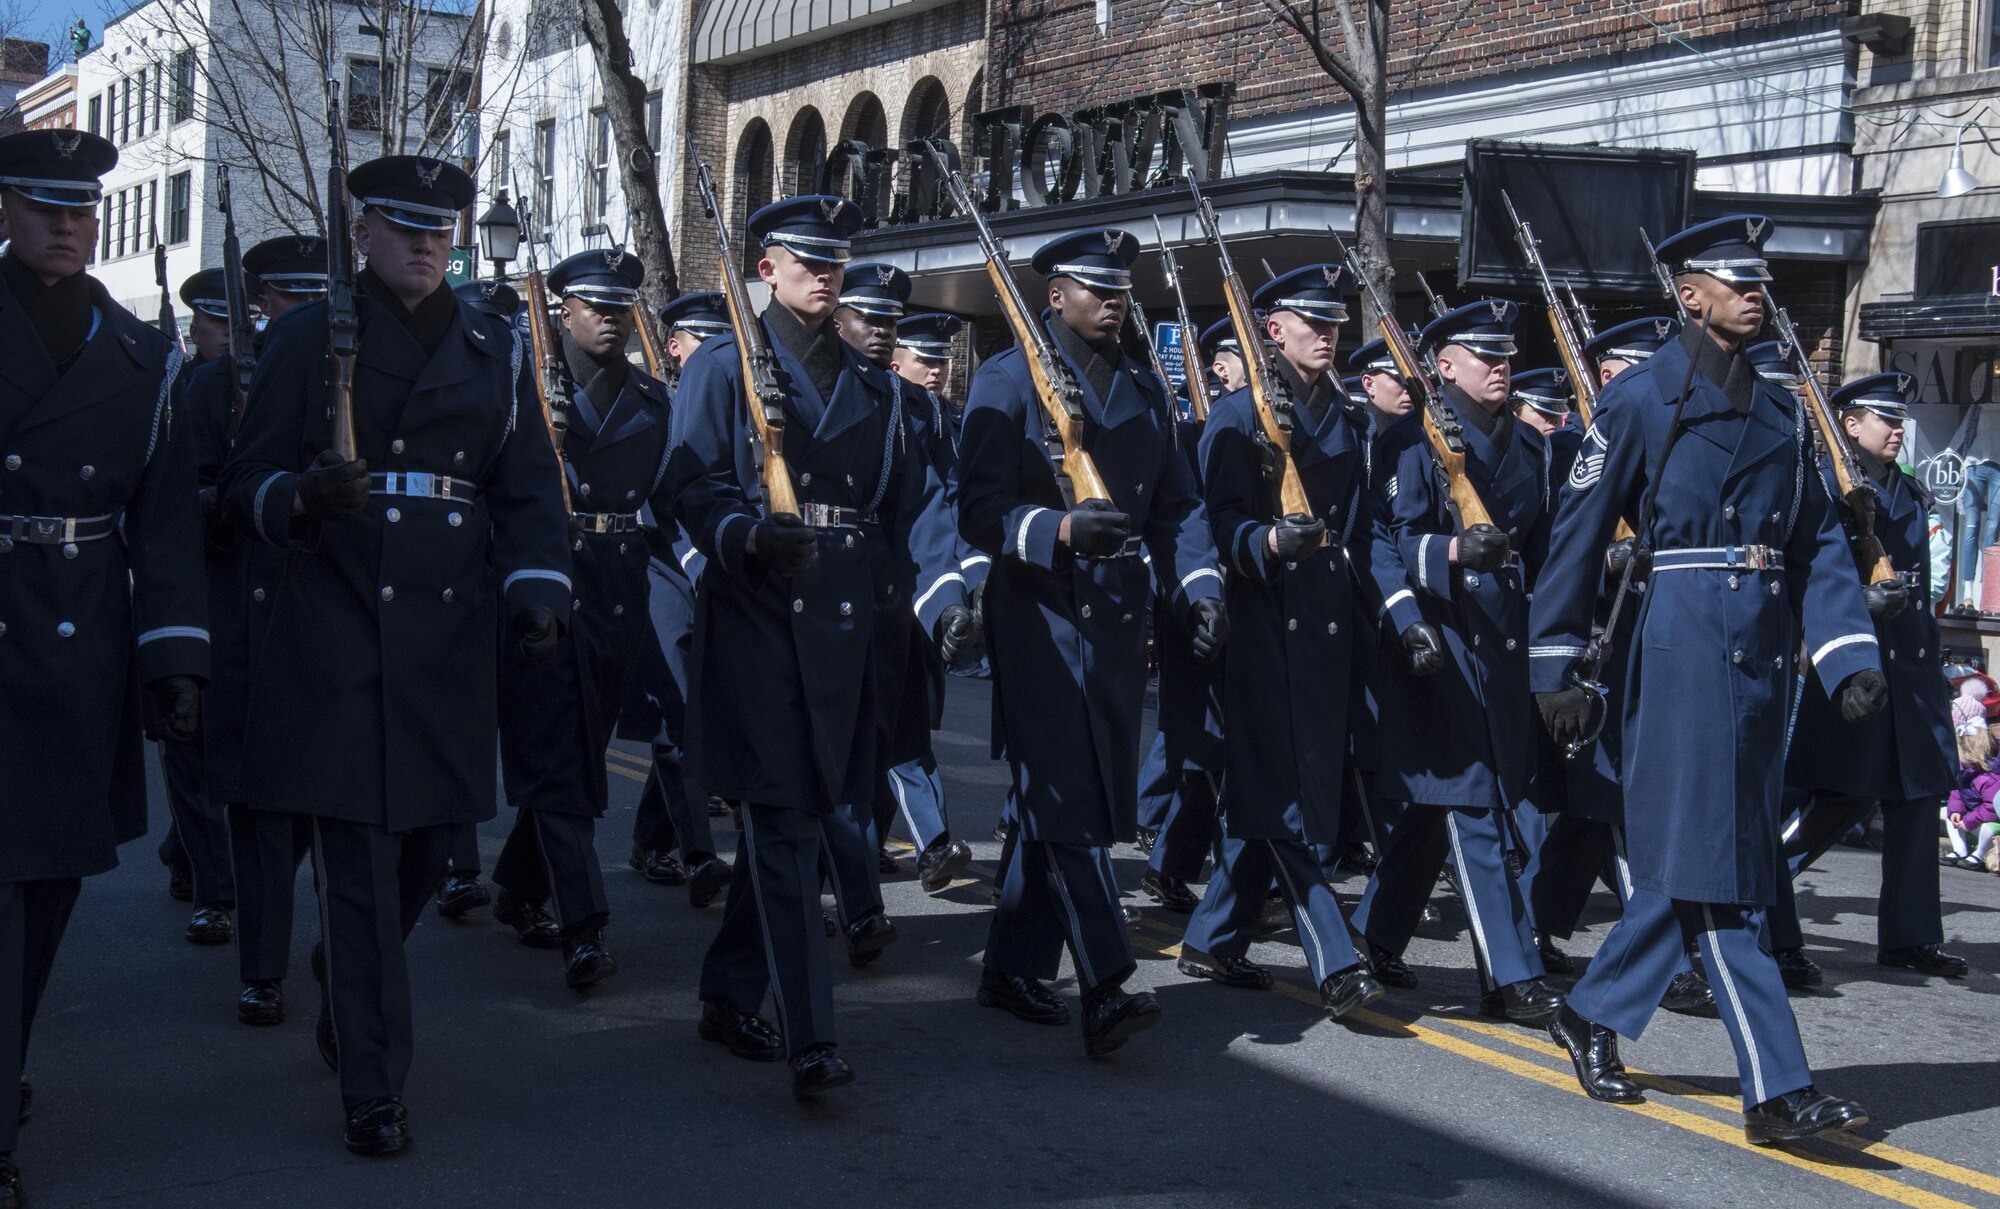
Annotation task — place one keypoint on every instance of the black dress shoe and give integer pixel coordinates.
(1924, 959)
(27, 1103)
(210, 926)
(1112, 1016)
(323, 1035)
(1023, 998)
(707, 879)
(379, 1126)
(1350, 989)
(1800, 1114)
(659, 868)
(746, 1036)
(262, 1003)
(940, 862)
(1690, 995)
(460, 893)
(586, 961)
(1554, 960)
(530, 921)
(885, 862)
(1797, 969)
(1389, 969)
(1229, 971)
(1432, 917)
(826, 921)
(1593, 1051)
(1355, 860)
(819, 1069)
(1531, 1002)
(11, 1195)
(867, 938)
(718, 809)
(180, 883)
(1001, 830)
(1148, 837)
(1169, 891)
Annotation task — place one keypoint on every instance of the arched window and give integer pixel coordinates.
(928, 112)
(975, 100)
(756, 176)
(865, 121)
(805, 152)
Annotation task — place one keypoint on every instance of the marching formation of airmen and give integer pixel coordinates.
(1419, 623)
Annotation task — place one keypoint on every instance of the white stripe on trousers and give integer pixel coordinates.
(1299, 911)
(1077, 948)
(763, 923)
(1466, 893)
(1727, 984)
(320, 884)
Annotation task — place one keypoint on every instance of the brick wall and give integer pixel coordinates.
(887, 61)
(1051, 55)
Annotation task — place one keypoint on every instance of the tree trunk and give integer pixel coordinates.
(625, 103)
(1371, 172)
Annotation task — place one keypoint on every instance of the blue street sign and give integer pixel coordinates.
(1167, 342)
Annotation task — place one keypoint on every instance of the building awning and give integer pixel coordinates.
(1283, 217)
(1976, 318)
(732, 31)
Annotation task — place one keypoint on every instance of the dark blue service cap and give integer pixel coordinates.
(1317, 291)
(1217, 337)
(1634, 340)
(874, 288)
(1373, 358)
(1887, 395)
(204, 292)
(928, 334)
(413, 191)
(1728, 249)
(496, 298)
(1100, 258)
(294, 264)
(1773, 362)
(1486, 327)
(703, 313)
(56, 167)
(1546, 390)
(812, 226)
(602, 276)
(1353, 388)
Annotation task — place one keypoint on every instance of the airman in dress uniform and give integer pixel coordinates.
(1457, 738)
(266, 846)
(87, 444)
(1297, 587)
(196, 846)
(673, 843)
(1746, 553)
(1904, 758)
(911, 658)
(1067, 608)
(374, 709)
(782, 697)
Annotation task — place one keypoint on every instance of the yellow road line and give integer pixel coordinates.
(627, 756)
(628, 774)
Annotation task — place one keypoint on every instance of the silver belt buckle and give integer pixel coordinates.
(417, 482)
(1757, 558)
(820, 516)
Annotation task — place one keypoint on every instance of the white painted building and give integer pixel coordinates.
(182, 87)
(543, 124)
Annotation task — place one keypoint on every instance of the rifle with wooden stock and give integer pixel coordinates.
(647, 345)
(1849, 478)
(242, 337)
(1277, 417)
(551, 383)
(343, 328)
(1061, 398)
(1197, 373)
(1443, 430)
(761, 392)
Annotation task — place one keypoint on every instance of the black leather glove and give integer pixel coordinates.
(1211, 629)
(1863, 695)
(333, 488)
(172, 709)
(1886, 599)
(1423, 650)
(539, 629)
(1297, 535)
(1096, 530)
(1566, 713)
(957, 633)
(575, 526)
(784, 543)
(217, 532)
(1628, 550)
(1482, 548)
(979, 608)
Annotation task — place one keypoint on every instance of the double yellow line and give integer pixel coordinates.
(1492, 1045)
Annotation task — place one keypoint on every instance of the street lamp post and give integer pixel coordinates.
(500, 233)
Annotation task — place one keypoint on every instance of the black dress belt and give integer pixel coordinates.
(605, 522)
(55, 530)
(421, 484)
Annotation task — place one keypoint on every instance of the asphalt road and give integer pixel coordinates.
(149, 1093)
